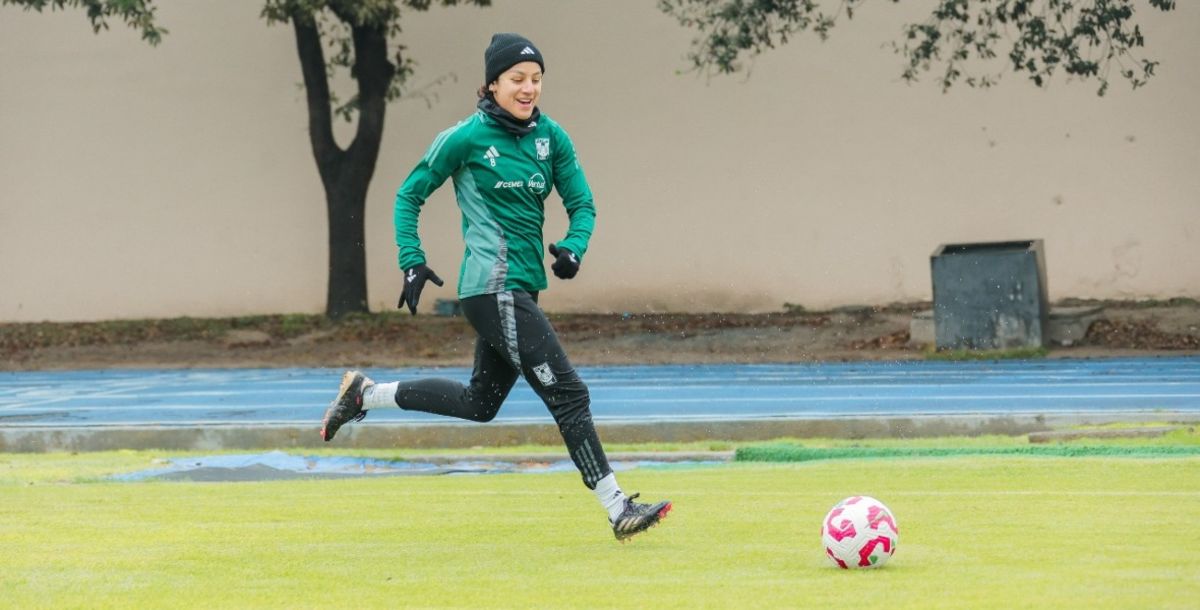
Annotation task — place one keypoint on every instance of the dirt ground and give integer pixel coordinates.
(846, 334)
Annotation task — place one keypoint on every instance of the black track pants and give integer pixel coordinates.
(515, 338)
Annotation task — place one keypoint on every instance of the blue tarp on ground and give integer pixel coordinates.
(277, 465)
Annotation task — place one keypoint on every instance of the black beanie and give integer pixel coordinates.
(506, 51)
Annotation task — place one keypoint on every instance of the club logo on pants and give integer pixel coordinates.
(544, 374)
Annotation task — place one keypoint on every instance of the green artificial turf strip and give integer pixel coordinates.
(782, 452)
(979, 532)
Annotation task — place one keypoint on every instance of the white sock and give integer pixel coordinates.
(610, 496)
(380, 395)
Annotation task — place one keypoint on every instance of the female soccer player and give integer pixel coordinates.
(502, 160)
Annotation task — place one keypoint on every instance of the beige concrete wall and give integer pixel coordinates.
(177, 180)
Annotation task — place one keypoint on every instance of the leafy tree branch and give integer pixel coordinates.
(960, 40)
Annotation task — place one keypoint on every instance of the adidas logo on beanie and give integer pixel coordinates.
(506, 51)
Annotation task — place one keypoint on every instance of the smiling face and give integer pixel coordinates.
(518, 89)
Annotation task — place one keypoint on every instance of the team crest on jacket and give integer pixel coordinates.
(543, 148)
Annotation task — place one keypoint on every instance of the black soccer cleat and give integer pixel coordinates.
(637, 517)
(347, 406)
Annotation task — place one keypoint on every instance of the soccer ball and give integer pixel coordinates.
(859, 532)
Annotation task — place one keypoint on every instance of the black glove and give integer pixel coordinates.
(566, 264)
(414, 282)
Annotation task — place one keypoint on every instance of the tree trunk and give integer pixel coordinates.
(347, 288)
(346, 174)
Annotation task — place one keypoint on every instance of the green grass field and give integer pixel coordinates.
(976, 532)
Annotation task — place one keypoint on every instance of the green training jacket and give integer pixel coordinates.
(501, 182)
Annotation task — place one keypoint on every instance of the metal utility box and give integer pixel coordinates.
(990, 295)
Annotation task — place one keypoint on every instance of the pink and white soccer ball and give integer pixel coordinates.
(860, 532)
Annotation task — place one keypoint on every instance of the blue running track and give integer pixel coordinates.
(637, 393)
